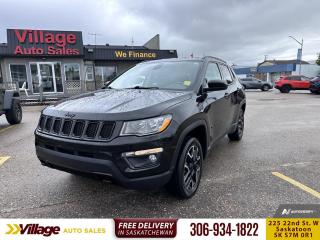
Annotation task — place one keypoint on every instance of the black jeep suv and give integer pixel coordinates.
(152, 126)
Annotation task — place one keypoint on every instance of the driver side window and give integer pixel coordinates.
(212, 73)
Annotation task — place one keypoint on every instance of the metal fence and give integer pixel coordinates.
(70, 88)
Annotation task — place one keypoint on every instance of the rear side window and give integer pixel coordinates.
(226, 74)
(213, 72)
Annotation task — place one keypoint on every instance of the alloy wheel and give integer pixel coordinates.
(241, 123)
(18, 111)
(192, 168)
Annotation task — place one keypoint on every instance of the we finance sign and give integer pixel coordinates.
(24, 42)
(135, 54)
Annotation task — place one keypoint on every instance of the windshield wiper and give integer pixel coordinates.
(106, 87)
(140, 87)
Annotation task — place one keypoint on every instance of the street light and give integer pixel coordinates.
(301, 46)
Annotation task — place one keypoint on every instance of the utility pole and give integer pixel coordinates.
(95, 37)
(301, 46)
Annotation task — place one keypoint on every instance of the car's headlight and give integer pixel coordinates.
(146, 126)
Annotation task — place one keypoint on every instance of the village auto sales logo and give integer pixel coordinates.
(32, 229)
(44, 42)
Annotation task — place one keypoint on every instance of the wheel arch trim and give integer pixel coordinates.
(182, 136)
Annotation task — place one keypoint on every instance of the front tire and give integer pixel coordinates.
(14, 114)
(238, 133)
(314, 92)
(187, 175)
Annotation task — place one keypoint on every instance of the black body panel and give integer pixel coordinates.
(73, 149)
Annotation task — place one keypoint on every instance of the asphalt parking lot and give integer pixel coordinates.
(243, 179)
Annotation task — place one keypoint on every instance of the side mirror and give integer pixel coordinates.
(216, 85)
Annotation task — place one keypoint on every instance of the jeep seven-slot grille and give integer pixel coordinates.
(47, 126)
(66, 127)
(92, 129)
(80, 129)
(56, 126)
(106, 130)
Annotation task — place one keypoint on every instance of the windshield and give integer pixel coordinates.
(159, 75)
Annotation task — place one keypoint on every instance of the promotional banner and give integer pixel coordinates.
(142, 228)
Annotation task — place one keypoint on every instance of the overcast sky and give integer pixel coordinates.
(239, 31)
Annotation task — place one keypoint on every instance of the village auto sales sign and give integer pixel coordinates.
(25, 42)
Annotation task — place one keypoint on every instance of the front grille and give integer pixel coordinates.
(78, 129)
(66, 128)
(56, 126)
(41, 122)
(92, 129)
(47, 126)
(106, 130)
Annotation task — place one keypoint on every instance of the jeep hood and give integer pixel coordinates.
(140, 102)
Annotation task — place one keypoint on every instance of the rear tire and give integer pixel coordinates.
(14, 114)
(265, 88)
(187, 175)
(238, 133)
(285, 89)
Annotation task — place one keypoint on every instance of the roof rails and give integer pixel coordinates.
(215, 58)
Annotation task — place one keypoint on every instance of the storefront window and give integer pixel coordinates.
(19, 74)
(104, 74)
(72, 71)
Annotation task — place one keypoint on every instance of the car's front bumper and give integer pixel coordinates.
(315, 88)
(106, 160)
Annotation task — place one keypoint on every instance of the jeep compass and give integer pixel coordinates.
(152, 126)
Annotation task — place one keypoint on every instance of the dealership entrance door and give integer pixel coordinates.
(48, 74)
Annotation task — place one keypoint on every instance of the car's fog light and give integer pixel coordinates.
(153, 158)
(149, 159)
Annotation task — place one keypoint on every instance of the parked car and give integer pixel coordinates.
(315, 85)
(10, 104)
(152, 126)
(254, 83)
(294, 82)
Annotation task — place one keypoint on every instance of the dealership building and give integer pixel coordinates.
(57, 64)
(271, 70)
